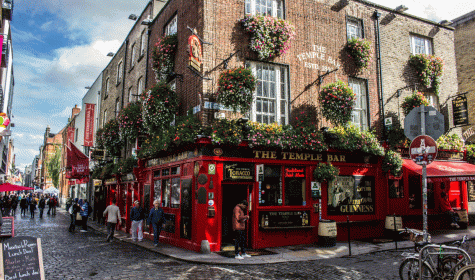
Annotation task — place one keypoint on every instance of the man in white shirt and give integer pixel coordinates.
(113, 217)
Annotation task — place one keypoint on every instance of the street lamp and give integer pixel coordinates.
(133, 17)
(110, 54)
(401, 8)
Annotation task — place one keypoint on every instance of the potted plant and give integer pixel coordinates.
(337, 101)
(360, 50)
(325, 172)
(163, 56)
(160, 106)
(270, 36)
(235, 88)
(392, 163)
(412, 101)
(111, 139)
(429, 70)
(131, 122)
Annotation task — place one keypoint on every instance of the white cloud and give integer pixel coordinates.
(20, 36)
(65, 113)
(46, 26)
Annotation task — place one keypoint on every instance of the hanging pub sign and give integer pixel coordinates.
(460, 112)
(196, 53)
(294, 172)
(239, 171)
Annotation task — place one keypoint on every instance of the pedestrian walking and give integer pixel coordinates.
(49, 202)
(54, 204)
(69, 202)
(84, 215)
(42, 205)
(137, 216)
(239, 227)
(14, 205)
(73, 211)
(23, 205)
(156, 218)
(113, 217)
(32, 204)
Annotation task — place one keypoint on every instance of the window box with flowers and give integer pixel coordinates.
(111, 139)
(160, 106)
(131, 122)
(270, 36)
(235, 88)
(412, 101)
(360, 50)
(163, 56)
(392, 163)
(351, 138)
(325, 172)
(337, 102)
(450, 142)
(429, 70)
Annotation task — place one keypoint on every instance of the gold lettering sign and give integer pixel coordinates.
(297, 156)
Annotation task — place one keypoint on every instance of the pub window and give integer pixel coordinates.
(415, 192)
(294, 191)
(396, 188)
(270, 104)
(117, 107)
(157, 190)
(104, 119)
(172, 26)
(175, 193)
(351, 195)
(354, 28)
(176, 170)
(156, 173)
(143, 43)
(131, 95)
(140, 86)
(271, 188)
(359, 115)
(421, 45)
(273, 8)
(166, 193)
(165, 172)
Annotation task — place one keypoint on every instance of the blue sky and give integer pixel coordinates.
(60, 47)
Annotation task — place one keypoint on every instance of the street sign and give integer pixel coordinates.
(423, 150)
(434, 123)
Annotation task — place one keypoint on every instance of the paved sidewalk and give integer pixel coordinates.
(307, 252)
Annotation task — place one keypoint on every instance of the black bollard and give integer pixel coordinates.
(395, 230)
(349, 239)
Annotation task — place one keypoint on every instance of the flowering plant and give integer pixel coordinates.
(186, 130)
(471, 153)
(360, 50)
(99, 139)
(429, 68)
(392, 163)
(235, 89)
(270, 135)
(350, 138)
(163, 56)
(270, 36)
(225, 131)
(412, 101)
(111, 138)
(131, 122)
(337, 101)
(155, 144)
(325, 172)
(160, 106)
(126, 165)
(450, 142)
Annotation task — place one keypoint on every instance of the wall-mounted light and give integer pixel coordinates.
(110, 54)
(146, 22)
(87, 87)
(133, 17)
(401, 8)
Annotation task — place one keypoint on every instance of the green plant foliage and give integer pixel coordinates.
(126, 165)
(54, 166)
(412, 101)
(186, 130)
(99, 139)
(450, 142)
(337, 101)
(350, 138)
(360, 50)
(429, 69)
(471, 153)
(163, 56)
(325, 172)
(396, 137)
(392, 163)
(235, 88)
(160, 107)
(226, 132)
(131, 122)
(111, 138)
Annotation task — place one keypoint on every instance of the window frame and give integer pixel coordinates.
(120, 71)
(428, 44)
(159, 175)
(251, 5)
(132, 56)
(130, 94)
(107, 86)
(117, 107)
(363, 82)
(172, 22)
(143, 44)
(359, 25)
(140, 85)
(104, 118)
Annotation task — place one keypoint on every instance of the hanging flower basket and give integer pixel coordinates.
(235, 88)
(412, 101)
(160, 106)
(131, 122)
(360, 50)
(337, 101)
(163, 56)
(270, 36)
(392, 163)
(111, 139)
(325, 172)
(429, 69)
(351, 138)
(450, 142)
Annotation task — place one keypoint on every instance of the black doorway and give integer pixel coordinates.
(232, 195)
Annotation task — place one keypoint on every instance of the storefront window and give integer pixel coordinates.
(396, 188)
(270, 192)
(157, 190)
(295, 186)
(351, 195)
(165, 172)
(175, 193)
(156, 173)
(176, 170)
(415, 192)
(166, 193)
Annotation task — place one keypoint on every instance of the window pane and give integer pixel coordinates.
(272, 107)
(175, 193)
(166, 193)
(265, 107)
(165, 172)
(157, 186)
(259, 106)
(294, 190)
(265, 119)
(270, 193)
(265, 89)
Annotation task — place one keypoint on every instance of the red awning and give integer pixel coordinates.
(76, 162)
(444, 170)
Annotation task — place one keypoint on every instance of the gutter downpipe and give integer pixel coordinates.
(377, 15)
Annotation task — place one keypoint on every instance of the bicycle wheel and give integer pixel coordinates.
(409, 270)
(466, 273)
(449, 266)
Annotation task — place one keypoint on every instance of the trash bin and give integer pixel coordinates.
(327, 233)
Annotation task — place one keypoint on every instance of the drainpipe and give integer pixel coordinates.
(377, 15)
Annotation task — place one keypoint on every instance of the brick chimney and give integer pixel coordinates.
(76, 111)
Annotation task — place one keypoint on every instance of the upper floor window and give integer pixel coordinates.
(117, 107)
(120, 70)
(271, 102)
(172, 26)
(143, 43)
(273, 8)
(107, 86)
(131, 96)
(132, 57)
(354, 28)
(421, 45)
(104, 119)
(359, 116)
(140, 86)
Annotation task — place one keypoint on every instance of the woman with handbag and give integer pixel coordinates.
(74, 211)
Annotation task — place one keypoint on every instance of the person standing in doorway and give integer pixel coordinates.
(156, 218)
(239, 227)
(137, 216)
(41, 205)
(113, 217)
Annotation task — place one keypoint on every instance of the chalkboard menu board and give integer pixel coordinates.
(471, 191)
(8, 227)
(284, 219)
(22, 259)
(460, 112)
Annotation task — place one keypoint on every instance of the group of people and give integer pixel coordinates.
(8, 204)
(79, 210)
(32, 201)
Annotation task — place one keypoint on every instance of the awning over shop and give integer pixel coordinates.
(439, 171)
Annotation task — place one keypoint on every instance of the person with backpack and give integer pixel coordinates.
(73, 211)
(42, 205)
(84, 215)
(23, 205)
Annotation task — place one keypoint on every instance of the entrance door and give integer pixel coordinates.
(232, 195)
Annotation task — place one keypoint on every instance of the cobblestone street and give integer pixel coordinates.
(88, 256)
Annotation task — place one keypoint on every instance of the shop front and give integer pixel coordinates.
(199, 189)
